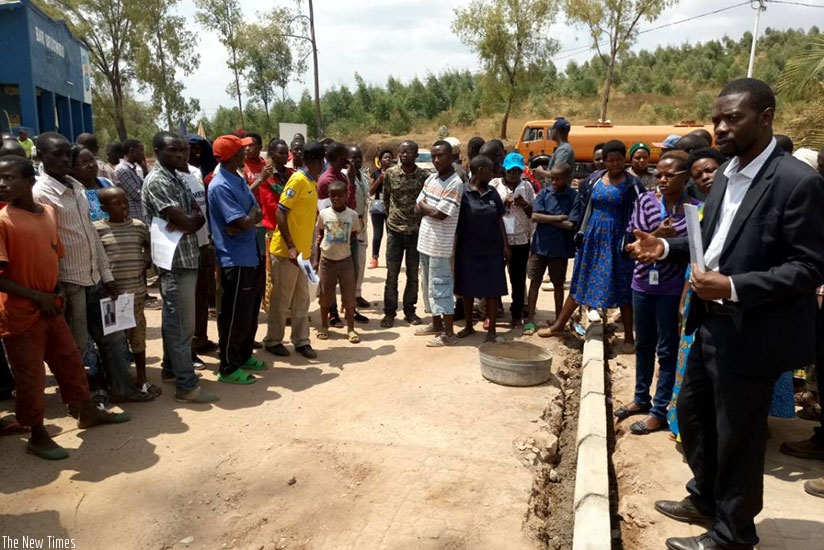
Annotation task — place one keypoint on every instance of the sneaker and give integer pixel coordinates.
(441, 340)
(803, 449)
(198, 363)
(171, 378)
(363, 319)
(388, 321)
(361, 302)
(428, 330)
(307, 351)
(373, 263)
(197, 395)
(815, 487)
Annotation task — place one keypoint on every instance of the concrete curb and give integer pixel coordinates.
(591, 504)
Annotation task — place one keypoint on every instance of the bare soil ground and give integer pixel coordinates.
(386, 444)
(652, 467)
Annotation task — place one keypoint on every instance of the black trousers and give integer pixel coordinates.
(205, 293)
(237, 316)
(517, 278)
(722, 417)
(818, 437)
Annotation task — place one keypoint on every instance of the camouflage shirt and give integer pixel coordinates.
(400, 190)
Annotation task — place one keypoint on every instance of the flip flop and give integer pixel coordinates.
(322, 335)
(9, 426)
(254, 365)
(529, 329)
(238, 377)
(354, 338)
(57, 453)
(463, 333)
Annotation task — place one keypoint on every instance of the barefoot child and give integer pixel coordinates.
(337, 229)
(552, 245)
(126, 241)
(31, 312)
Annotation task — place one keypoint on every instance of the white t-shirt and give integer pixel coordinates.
(437, 237)
(194, 180)
(338, 228)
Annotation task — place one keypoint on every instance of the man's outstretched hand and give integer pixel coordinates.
(646, 248)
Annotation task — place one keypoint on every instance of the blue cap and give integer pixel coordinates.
(514, 160)
(561, 124)
(668, 143)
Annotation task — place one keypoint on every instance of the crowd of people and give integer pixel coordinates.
(277, 231)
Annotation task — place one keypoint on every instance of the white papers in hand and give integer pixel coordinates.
(306, 266)
(694, 237)
(509, 225)
(118, 315)
(164, 243)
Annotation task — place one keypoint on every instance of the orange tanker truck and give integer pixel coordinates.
(534, 143)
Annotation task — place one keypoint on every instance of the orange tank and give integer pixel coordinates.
(534, 140)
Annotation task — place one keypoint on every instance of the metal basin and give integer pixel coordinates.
(515, 363)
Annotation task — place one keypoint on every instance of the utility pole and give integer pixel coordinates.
(314, 44)
(761, 7)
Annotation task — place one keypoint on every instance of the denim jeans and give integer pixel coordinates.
(656, 329)
(178, 289)
(438, 285)
(83, 315)
(398, 245)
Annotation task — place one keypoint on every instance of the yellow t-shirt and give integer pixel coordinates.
(300, 199)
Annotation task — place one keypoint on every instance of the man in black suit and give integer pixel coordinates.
(754, 314)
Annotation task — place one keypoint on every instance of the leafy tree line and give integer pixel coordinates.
(460, 97)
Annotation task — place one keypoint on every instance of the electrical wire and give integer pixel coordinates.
(804, 4)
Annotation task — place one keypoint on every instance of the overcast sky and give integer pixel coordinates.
(405, 38)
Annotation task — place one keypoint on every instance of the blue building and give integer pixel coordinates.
(45, 75)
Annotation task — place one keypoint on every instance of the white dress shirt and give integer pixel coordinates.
(738, 183)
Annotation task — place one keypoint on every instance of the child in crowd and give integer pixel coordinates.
(337, 230)
(31, 312)
(126, 241)
(552, 243)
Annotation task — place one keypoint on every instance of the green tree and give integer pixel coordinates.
(266, 57)
(507, 35)
(138, 116)
(803, 80)
(616, 23)
(168, 48)
(107, 29)
(224, 18)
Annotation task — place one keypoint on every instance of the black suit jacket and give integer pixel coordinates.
(774, 253)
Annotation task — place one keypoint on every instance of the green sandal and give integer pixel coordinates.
(57, 453)
(529, 329)
(254, 365)
(237, 377)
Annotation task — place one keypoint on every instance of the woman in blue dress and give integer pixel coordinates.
(84, 170)
(602, 274)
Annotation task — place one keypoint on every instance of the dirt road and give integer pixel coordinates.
(386, 444)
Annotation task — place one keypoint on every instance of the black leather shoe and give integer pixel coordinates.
(307, 351)
(702, 542)
(361, 302)
(279, 350)
(685, 511)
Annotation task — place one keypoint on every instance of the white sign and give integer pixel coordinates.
(164, 243)
(117, 315)
(51, 44)
(694, 237)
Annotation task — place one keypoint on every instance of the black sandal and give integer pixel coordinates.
(640, 428)
(624, 412)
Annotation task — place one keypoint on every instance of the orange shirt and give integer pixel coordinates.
(29, 253)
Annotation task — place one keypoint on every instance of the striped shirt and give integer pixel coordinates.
(131, 181)
(647, 215)
(127, 247)
(85, 262)
(436, 238)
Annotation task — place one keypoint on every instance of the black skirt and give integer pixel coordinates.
(480, 276)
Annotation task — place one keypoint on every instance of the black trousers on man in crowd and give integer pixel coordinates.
(237, 317)
(722, 417)
(818, 436)
(517, 279)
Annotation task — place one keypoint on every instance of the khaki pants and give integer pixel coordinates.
(290, 293)
(360, 269)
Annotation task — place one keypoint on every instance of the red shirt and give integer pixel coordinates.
(270, 191)
(331, 175)
(251, 170)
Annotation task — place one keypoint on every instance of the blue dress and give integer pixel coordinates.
(602, 274)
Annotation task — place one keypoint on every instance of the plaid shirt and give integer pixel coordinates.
(161, 190)
(130, 181)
